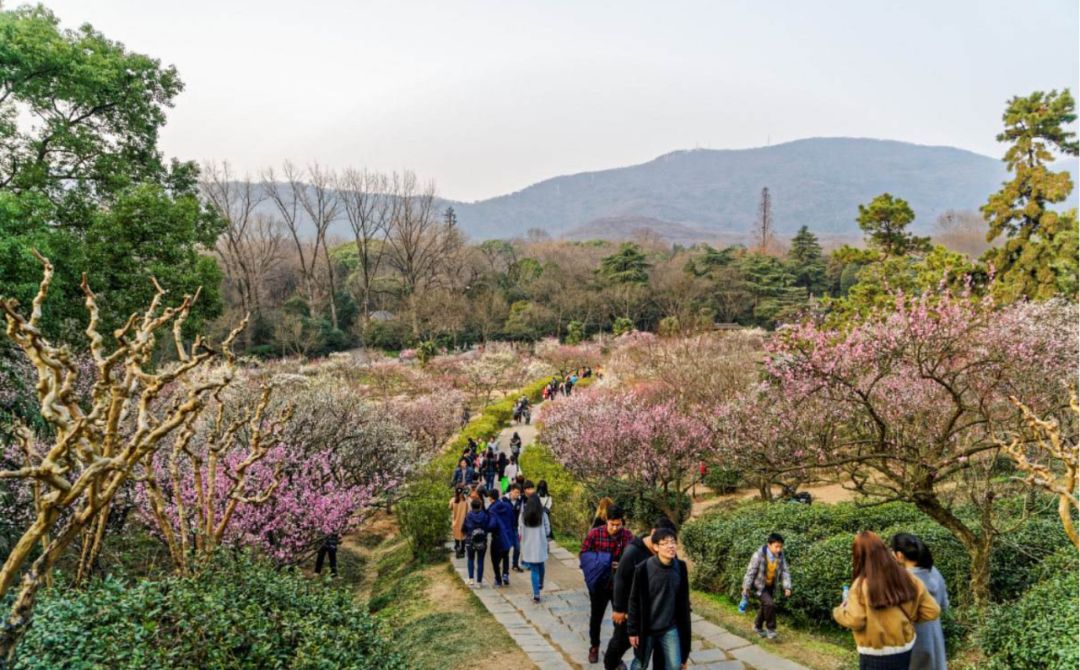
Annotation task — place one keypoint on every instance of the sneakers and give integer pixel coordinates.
(506, 579)
(536, 599)
(760, 632)
(771, 634)
(518, 569)
(471, 582)
(594, 654)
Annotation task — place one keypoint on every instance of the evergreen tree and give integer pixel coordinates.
(1033, 262)
(628, 266)
(806, 262)
(885, 220)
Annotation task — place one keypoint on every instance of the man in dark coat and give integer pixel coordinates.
(638, 551)
(659, 608)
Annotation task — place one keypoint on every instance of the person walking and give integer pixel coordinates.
(459, 509)
(515, 445)
(503, 537)
(500, 471)
(929, 650)
(658, 614)
(883, 606)
(512, 470)
(478, 523)
(489, 469)
(545, 499)
(517, 500)
(768, 567)
(600, 554)
(637, 552)
(464, 475)
(533, 529)
(328, 549)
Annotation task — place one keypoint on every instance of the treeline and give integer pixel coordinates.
(82, 181)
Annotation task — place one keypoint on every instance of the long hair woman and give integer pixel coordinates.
(545, 500)
(601, 512)
(533, 527)
(459, 508)
(884, 605)
(912, 553)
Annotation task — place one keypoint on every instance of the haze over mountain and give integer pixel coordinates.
(816, 182)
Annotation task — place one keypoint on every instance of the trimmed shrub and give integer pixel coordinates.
(1038, 631)
(240, 614)
(721, 480)
(641, 503)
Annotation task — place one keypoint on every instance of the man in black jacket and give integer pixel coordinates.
(635, 553)
(659, 609)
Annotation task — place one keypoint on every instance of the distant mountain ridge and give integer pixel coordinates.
(816, 182)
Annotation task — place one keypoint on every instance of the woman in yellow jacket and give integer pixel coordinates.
(883, 606)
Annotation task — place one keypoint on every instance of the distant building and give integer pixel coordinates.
(380, 315)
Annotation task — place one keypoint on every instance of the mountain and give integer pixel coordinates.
(708, 194)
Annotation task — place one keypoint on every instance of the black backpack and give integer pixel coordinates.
(478, 539)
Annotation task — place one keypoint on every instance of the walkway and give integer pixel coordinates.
(555, 633)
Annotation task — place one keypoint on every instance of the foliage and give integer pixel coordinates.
(628, 266)
(81, 177)
(807, 262)
(248, 614)
(622, 326)
(1038, 631)
(1039, 257)
(885, 220)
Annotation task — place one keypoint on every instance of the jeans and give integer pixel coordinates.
(766, 616)
(326, 552)
(470, 554)
(500, 562)
(489, 481)
(516, 560)
(618, 645)
(668, 644)
(598, 602)
(537, 570)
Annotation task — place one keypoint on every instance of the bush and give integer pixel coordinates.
(1038, 631)
(240, 614)
(390, 335)
(721, 480)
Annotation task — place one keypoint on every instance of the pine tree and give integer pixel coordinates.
(1033, 262)
(806, 262)
(885, 221)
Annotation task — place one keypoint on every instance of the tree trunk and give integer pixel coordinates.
(978, 546)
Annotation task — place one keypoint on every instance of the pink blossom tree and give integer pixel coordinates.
(637, 435)
(922, 393)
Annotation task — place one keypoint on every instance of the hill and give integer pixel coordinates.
(715, 193)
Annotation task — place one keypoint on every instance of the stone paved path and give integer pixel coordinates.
(555, 633)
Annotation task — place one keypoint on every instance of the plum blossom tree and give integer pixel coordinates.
(768, 435)
(636, 434)
(567, 357)
(923, 396)
(332, 464)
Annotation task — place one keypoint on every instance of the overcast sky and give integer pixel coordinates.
(487, 97)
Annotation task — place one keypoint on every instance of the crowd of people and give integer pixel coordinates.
(892, 606)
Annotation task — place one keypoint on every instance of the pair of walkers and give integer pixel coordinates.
(498, 522)
(648, 587)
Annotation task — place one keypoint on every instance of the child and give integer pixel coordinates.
(767, 568)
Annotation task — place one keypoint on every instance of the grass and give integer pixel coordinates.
(824, 650)
(433, 618)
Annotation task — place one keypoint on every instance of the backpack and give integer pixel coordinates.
(478, 539)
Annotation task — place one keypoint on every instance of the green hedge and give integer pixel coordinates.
(1039, 630)
(641, 503)
(241, 614)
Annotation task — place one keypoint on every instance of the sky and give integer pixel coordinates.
(486, 97)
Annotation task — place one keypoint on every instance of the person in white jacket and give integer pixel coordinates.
(534, 527)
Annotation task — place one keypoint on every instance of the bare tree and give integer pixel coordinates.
(370, 206)
(286, 197)
(418, 238)
(251, 243)
(320, 202)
